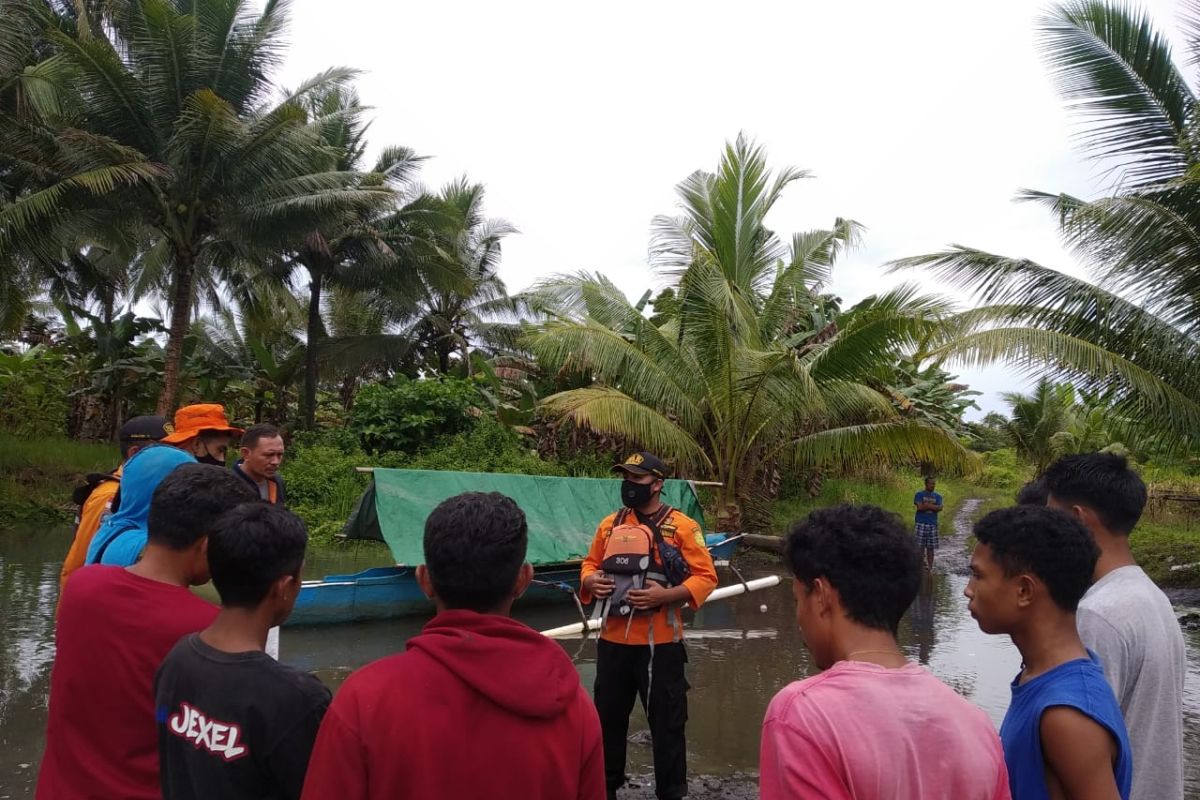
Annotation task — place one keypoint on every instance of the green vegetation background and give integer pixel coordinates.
(37, 476)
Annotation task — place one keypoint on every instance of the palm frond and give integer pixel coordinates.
(609, 410)
(895, 443)
(1117, 71)
(1087, 365)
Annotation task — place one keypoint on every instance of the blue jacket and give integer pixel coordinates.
(121, 537)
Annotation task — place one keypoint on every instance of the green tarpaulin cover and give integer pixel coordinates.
(562, 512)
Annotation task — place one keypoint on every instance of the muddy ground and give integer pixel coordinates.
(739, 786)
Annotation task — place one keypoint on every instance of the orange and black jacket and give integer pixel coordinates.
(275, 486)
(681, 531)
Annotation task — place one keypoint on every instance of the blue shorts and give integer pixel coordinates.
(927, 535)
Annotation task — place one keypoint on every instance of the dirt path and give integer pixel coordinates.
(952, 556)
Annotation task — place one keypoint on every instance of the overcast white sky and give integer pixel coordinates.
(920, 119)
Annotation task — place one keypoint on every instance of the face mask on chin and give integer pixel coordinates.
(635, 495)
(209, 458)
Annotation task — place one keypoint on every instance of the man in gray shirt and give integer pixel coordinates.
(1126, 620)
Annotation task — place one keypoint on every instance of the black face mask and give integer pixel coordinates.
(209, 458)
(636, 495)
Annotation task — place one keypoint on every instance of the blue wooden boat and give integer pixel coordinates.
(387, 592)
(562, 514)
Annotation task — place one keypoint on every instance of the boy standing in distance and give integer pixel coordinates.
(642, 655)
(1063, 734)
(261, 455)
(479, 705)
(233, 722)
(115, 626)
(1127, 620)
(928, 504)
(872, 725)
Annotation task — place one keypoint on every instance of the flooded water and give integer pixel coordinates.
(740, 655)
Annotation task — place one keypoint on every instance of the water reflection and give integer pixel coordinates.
(740, 656)
(28, 592)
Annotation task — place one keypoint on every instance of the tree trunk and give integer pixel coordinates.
(310, 350)
(114, 415)
(349, 390)
(181, 317)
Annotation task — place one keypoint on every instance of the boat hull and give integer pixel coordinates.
(390, 592)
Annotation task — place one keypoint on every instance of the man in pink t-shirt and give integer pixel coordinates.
(872, 725)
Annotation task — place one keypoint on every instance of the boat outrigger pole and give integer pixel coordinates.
(722, 593)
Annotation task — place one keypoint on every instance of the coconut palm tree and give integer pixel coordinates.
(459, 304)
(1132, 332)
(1039, 421)
(158, 114)
(451, 319)
(381, 247)
(750, 372)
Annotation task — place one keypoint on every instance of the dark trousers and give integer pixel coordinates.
(623, 673)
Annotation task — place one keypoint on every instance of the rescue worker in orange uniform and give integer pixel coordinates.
(646, 562)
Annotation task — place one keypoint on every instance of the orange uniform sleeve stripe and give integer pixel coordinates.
(690, 540)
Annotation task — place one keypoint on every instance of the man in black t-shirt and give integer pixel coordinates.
(232, 722)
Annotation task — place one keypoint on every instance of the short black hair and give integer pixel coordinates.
(250, 547)
(262, 430)
(474, 547)
(1047, 542)
(1033, 493)
(1104, 483)
(189, 500)
(866, 554)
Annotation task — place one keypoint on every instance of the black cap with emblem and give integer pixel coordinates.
(143, 429)
(644, 463)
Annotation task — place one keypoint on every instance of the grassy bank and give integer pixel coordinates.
(1166, 543)
(888, 491)
(38, 476)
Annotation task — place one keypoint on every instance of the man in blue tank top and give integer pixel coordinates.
(1063, 735)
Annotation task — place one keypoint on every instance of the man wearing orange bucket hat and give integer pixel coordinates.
(202, 430)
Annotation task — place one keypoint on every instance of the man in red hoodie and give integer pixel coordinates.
(479, 705)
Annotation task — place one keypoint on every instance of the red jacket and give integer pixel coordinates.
(478, 706)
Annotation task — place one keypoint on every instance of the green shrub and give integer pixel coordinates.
(487, 447)
(323, 487)
(404, 414)
(1003, 470)
(34, 386)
